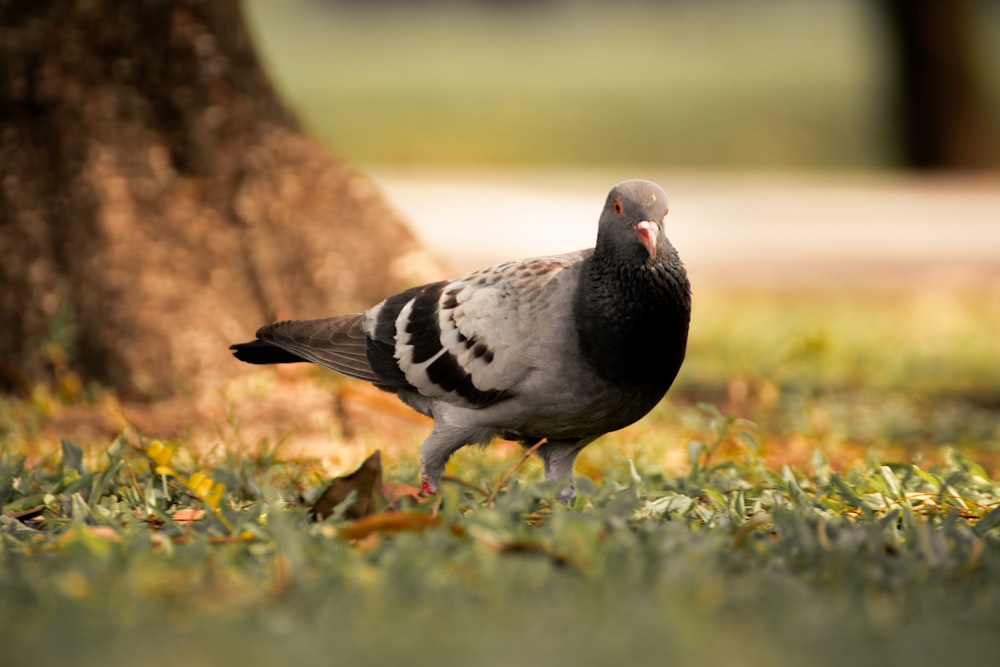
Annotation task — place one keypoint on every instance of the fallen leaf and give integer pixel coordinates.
(366, 481)
(388, 522)
(393, 492)
(188, 515)
(104, 532)
(535, 547)
(26, 515)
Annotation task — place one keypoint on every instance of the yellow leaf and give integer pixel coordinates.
(160, 453)
(214, 497)
(200, 484)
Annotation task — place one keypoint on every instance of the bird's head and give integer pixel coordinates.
(633, 218)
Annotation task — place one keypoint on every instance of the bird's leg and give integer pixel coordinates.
(558, 457)
(434, 454)
(427, 487)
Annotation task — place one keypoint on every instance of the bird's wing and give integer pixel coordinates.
(468, 341)
(337, 343)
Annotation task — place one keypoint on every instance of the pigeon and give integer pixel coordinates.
(550, 351)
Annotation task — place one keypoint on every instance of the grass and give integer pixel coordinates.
(722, 84)
(811, 494)
(725, 84)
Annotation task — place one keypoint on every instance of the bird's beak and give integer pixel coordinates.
(648, 233)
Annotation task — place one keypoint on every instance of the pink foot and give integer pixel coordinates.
(425, 486)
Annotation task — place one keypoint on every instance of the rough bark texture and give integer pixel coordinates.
(940, 104)
(153, 187)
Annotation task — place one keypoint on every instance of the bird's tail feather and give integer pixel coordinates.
(337, 343)
(262, 352)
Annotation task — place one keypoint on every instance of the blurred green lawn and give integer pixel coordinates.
(733, 84)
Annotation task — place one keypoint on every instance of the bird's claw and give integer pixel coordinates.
(426, 488)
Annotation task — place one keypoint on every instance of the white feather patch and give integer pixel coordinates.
(502, 308)
(416, 373)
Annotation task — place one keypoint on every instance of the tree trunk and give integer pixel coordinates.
(940, 106)
(159, 202)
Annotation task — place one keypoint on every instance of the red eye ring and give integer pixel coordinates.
(618, 206)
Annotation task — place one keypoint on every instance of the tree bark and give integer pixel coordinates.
(158, 201)
(940, 107)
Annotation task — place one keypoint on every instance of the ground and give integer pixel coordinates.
(733, 229)
(924, 244)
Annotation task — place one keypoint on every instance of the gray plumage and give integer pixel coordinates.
(563, 348)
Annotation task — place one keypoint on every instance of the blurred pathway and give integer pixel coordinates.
(760, 230)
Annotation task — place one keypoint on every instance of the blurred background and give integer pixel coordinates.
(833, 173)
(782, 130)
(773, 83)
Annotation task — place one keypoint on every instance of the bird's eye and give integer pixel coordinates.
(618, 206)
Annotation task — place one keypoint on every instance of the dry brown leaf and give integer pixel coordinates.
(394, 492)
(388, 522)
(366, 481)
(104, 532)
(26, 515)
(188, 515)
(533, 546)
